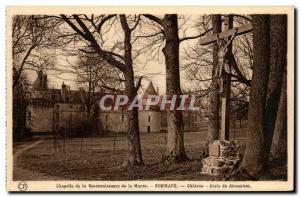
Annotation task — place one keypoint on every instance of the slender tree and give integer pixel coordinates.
(278, 45)
(279, 142)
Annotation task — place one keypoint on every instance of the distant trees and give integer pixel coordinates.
(31, 39)
(93, 74)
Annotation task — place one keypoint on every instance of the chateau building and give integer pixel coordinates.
(63, 110)
(52, 110)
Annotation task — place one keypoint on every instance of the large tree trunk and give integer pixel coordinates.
(279, 143)
(252, 161)
(278, 45)
(175, 144)
(214, 123)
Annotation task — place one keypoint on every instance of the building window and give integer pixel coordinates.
(149, 118)
(81, 108)
(57, 116)
(57, 106)
(71, 106)
(29, 116)
(67, 99)
(123, 117)
(71, 118)
(148, 129)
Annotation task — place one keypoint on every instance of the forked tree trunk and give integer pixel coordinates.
(279, 143)
(253, 156)
(133, 136)
(278, 45)
(175, 144)
(214, 123)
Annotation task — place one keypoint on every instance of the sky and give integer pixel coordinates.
(152, 67)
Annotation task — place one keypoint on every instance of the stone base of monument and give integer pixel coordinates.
(223, 158)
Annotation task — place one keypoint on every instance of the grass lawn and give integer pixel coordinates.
(99, 159)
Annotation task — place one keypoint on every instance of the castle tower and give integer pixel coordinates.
(63, 92)
(38, 81)
(149, 120)
(150, 90)
(41, 82)
(44, 82)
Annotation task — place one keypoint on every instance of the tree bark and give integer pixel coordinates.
(133, 135)
(278, 45)
(279, 142)
(175, 143)
(253, 156)
(214, 123)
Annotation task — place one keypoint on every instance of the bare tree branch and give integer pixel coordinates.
(194, 37)
(154, 18)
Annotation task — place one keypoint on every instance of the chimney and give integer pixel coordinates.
(40, 80)
(157, 90)
(63, 92)
(45, 82)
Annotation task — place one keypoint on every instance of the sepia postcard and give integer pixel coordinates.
(150, 99)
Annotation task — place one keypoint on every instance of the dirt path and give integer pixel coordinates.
(23, 174)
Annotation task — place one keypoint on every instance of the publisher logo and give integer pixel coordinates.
(22, 186)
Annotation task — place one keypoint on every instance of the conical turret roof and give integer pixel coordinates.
(150, 90)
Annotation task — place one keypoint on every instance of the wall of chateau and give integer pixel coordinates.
(46, 117)
(117, 121)
(71, 116)
(149, 121)
(114, 121)
(39, 118)
(68, 116)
